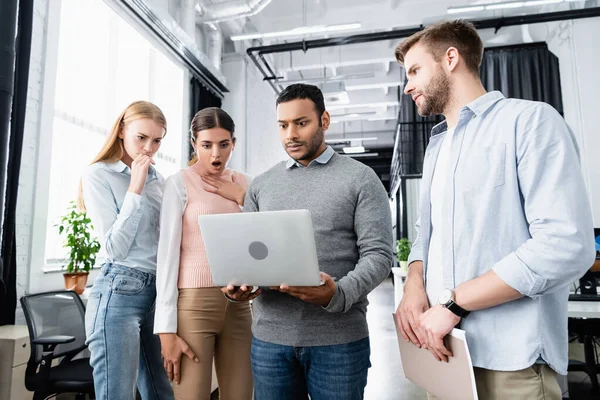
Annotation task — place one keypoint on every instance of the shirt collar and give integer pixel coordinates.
(322, 159)
(118, 166)
(478, 107)
(121, 167)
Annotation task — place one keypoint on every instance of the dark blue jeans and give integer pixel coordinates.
(336, 372)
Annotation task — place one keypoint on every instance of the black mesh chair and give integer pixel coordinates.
(56, 322)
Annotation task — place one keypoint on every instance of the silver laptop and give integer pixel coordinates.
(261, 248)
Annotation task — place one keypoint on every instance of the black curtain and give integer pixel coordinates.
(16, 66)
(201, 97)
(8, 22)
(526, 71)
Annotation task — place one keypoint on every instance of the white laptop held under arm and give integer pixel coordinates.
(261, 248)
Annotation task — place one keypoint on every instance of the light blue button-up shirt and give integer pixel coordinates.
(322, 159)
(515, 203)
(127, 223)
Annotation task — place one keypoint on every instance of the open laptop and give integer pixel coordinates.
(261, 248)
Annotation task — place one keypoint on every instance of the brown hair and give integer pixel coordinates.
(439, 37)
(209, 118)
(112, 150)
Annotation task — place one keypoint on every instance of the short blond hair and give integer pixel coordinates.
(439, 37)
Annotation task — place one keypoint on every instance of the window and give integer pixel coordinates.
(103, 65)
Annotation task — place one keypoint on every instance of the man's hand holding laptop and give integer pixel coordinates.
(320, 295)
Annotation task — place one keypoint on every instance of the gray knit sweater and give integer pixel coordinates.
(353, 234)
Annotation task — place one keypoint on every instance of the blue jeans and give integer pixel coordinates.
(119, 321)
(336, 372)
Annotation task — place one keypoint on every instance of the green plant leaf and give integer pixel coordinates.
(77, 228)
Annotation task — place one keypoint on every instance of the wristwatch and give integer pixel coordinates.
(446, 299)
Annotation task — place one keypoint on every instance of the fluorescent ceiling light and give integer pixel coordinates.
(500, 6)
(382, 118)
(503, 5)
(354, 149)
(300, 31)
(342, 140)
(327, 79)
(364, 155)
(383, 85)
(366, 105)
(456, 10)
(540, 2)
(350, 63)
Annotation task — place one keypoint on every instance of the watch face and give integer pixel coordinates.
(445, 296)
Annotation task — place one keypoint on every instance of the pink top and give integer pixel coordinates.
(194, 271)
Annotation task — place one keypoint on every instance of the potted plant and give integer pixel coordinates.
(77, 228)
(403, 247)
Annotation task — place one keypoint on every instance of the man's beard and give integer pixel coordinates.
(312, 145)
(436, 95)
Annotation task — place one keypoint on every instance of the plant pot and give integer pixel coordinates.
(403, 265)
(76, 281)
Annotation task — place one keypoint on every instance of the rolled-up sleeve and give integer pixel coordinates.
(416, 251)
(373, 227)
(556, 206)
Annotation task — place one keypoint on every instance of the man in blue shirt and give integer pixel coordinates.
(504, 227)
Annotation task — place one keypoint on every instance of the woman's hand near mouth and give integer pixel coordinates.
(230, 190)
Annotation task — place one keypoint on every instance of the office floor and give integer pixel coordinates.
(386, 379)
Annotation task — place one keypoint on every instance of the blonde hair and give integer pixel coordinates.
(113, 150)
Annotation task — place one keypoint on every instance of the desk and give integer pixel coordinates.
(584, 309)
(584, 320)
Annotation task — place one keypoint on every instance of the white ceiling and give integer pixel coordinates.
(371, 111)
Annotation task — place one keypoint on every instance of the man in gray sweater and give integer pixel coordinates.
(315, 340)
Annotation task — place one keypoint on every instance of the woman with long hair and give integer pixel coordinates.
(122, 193)
(195, 322)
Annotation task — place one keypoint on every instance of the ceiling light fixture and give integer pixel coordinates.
(300, 31)
(383, 85)
(354, 149)
(383, 118)
(456, 10)
(364, 155)
(343, 140)
(503, 5)
(339, 64)
(365, 105)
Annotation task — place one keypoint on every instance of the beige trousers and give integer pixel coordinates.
(537, 382)
(214, 327)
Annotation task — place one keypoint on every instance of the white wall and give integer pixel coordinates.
(251, 103)
(575, 44)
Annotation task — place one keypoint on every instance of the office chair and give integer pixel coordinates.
(56, 323)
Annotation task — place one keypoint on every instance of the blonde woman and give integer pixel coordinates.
(122, 193)
(193, 318)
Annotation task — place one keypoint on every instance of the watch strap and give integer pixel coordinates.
(457, 310)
